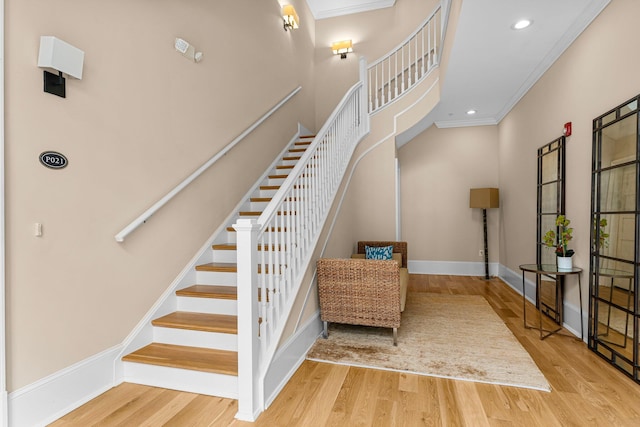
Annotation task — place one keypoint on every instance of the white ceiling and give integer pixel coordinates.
(329, 8)
(491, 65)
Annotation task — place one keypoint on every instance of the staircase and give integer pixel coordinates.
(195, 348)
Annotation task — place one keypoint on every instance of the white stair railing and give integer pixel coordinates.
(287, 232)
(395, 73)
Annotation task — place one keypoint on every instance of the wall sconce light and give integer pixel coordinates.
(342, 48)
(187, 50)
(290, 17)
(62, 57)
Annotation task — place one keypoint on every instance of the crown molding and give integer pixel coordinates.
(489, 121)
(322, 12)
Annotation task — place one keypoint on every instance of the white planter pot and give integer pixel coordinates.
(565, 263)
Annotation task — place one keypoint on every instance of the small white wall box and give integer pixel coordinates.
(62, 57)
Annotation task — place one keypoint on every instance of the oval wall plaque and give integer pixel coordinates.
(53, 160)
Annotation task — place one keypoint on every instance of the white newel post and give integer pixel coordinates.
(249, 405)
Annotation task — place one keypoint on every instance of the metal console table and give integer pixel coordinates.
(548, 269)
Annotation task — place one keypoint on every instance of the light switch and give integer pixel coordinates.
(37, 229)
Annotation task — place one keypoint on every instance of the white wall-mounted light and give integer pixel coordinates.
(342, 48)
(290, 17)
(187, 50)
(62, 57)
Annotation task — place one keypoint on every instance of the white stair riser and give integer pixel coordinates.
(287, 162)
(220, 255)
(182, 379)
(190, 338)
(267, 193)
(276, 181)
(258, 206)
(216, 278)
(231, 237)
(208, 305)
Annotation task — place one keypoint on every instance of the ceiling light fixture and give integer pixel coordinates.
(522, 24)
(471, 112)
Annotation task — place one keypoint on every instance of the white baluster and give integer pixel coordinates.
(389, 80)
(435, 43)
(415, 79)
(422, 57)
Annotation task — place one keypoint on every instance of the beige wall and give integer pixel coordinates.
(142, 119)
(373, 34)
(437, 169)
(598, 72)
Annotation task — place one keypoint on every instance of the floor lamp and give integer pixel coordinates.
(484, 198)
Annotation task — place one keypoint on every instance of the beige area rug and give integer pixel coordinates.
(450, 336)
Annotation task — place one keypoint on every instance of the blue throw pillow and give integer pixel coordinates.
(378, 252)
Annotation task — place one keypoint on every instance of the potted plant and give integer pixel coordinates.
(560, 242)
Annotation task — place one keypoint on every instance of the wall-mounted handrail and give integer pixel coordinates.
(160, 203)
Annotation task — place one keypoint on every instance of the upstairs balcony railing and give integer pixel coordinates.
(286, 234)
(395, 73)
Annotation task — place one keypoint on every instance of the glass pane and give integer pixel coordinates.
(615, 326)
(620, 243)
(548, 256)
(632, 106)
(548, 300)
(618, 189)
(609, 118)
(549, 198)
(550, 167)
(619, 142)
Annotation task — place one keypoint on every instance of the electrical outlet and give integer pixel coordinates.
(481, 252)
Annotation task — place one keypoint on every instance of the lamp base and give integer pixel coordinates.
(54, 84)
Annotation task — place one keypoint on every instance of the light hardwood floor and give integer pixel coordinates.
(586, 390)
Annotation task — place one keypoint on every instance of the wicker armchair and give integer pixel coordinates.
(360, 292)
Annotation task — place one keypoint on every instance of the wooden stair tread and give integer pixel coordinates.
(285, 166)
(300, 143)
(297, 150)
(204, 322)
(258, 213)
(269, 187)
(261, 199)
(234, 247)
(280, 176)
(233, 230)
(209, 291)
(227, 267)
(192, 358)
(291, 158)
(224, 247)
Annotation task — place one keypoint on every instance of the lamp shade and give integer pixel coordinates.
(484, 198)
(342, 47)
(61, 56)
(290, 16)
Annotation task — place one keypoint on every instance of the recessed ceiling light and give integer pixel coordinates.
(522, 24)
(471, 112)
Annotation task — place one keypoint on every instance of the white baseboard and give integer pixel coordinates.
(289, 357)
(50, 398)
(454, 268)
